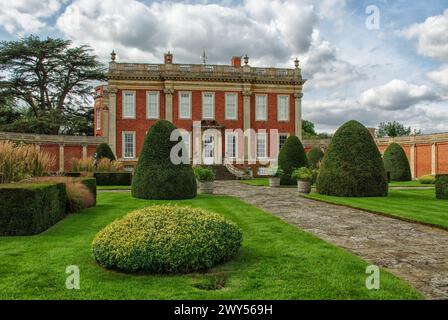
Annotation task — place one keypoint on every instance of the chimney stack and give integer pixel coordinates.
(168, 58)
(236, 62)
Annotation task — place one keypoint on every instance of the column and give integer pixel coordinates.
(105, 124)
(61, 158)
(298, 114)
(84, 151)
(169, 104)
(247, 94)
(112, 120)
(434, 158)
(412, 156)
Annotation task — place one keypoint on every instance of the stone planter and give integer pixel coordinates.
(304, 186)
(206, 187)
(274, 182)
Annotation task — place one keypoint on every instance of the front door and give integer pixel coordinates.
(209, 149)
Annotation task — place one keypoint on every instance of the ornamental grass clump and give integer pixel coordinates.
(167, 239)
(20, 161)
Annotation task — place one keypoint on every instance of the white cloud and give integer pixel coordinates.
(440, 76)
(323, 67)
(26, 16)
(397, 95)
(432, 36)
(268, 31)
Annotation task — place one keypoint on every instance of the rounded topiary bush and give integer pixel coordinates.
(167, 239)
(104, 151)
(156, 176)
(396, 162)
(352, 165)
(315, 156)
(291, 156)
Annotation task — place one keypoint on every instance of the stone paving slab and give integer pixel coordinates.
(416, 253)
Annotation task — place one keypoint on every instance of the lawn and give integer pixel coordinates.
(261, 182)
(277, 261)
(113, 187)
(411, 205)
(414, 183)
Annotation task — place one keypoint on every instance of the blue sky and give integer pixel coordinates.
(397, 72)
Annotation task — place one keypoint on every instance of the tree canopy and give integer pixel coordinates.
(50, 82)
(394, 129)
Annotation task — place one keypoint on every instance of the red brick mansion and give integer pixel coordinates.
(235, 96)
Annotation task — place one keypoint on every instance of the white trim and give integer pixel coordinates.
(265, 117)
(236, 105)
(213, 106)
(157, 93)
(185, 132)
(123, 104)
(180, 104)
(123, 144)
(287, 107)
(98, 119)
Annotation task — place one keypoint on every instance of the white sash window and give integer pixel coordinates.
(231, 106)
(283, 108)
(208, 105)
(184, 105)
(261, 107)
(262, 145)
(129, 104)
(152, 105)
(129, 145)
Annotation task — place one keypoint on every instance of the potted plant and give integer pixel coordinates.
(205, 178)
(304, 177)
(274, 179)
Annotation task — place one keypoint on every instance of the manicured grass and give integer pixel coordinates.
(412, 205)
(415, 183)
(113, 187)
(277, 261)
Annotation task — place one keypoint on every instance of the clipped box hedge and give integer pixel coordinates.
(113, 178)
(442, 186)
(27, 209)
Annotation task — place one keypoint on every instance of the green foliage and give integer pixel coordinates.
(291, 156)
(155, 176)
(113, 178)
(204, 174)
(303, 174)
(427, 179)
(30, 208)
(51, 80)
(394, 129)
(352, 165)
(104, 151)
(442, 186)
(309, 132)
(167, 239)
(278, 173)
(315, 175)
(315, 156)
(396, 162)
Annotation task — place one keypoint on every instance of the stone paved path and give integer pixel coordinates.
(414, 252)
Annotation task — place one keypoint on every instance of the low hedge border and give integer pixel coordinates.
(30, 208)
(113, 178)
(442, 186)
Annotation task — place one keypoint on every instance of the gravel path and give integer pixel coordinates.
(414, 252)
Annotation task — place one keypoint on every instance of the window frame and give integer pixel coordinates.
(180, 105)
(212, 117)
(148, 93)
(123, 104)
(287, 107)
(226, 116)
(287, 134)
(265, 118)
(227, 136)
(265, 134)
(123, 144)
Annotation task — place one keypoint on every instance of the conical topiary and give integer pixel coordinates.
(156, 176)
(104, 151)
(352, 165)
(314, 157)
(396, 163)
(291, 156)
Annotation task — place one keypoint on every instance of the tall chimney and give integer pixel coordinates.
(236, 62)
(168, 58)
